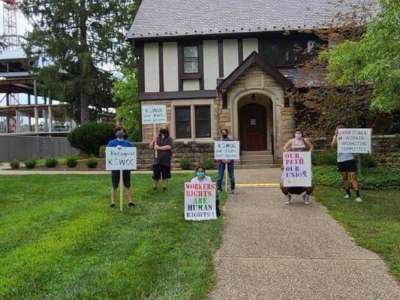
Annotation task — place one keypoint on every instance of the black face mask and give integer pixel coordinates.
(163, 133)
(224, 136)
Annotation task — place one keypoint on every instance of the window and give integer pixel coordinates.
(203, 121)
(190, 59)
(183, 122)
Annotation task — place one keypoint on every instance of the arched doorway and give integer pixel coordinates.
(253, 127)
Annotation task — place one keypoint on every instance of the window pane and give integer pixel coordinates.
(203, 121)
(182, 122)
(190, 59)
(191, 51)
(191, 66)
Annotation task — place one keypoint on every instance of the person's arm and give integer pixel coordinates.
(166, 147)
(309, 144)
(287, 146)
(334, 139)
(152, 145)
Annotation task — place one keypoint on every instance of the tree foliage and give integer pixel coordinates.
(128, 108)
(78, 43)
(374, 59)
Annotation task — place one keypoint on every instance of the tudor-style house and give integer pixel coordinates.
(232, 64)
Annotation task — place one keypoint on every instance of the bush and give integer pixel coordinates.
(324, 158)
(186, 164)
(368, 161)
(30, 164)
(209, 164)
(102, 151)
(51, 163)
(92, 163)
(15, 164)
(89, 137)
(72, 162)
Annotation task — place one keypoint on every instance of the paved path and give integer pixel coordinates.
(271, 251)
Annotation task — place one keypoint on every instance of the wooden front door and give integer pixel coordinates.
(253, 127)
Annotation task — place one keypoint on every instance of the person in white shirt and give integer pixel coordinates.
(347, 166)
(201, 177)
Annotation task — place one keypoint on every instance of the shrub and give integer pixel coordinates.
(51, 163)
(186, 164)
(30, 164)
(72, 162)
(15, 164)
(325, 158)
(368, 161)
(209, 164)
(102, 151)
(91, 163)
(89, 137)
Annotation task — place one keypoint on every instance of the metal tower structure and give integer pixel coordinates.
(10, 23)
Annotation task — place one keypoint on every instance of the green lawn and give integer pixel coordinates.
(374, 224)
(60, 240)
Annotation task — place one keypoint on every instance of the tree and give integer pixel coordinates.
(374, 59)
(128, 111)
(77, 43)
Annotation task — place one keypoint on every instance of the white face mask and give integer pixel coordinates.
(298, 136)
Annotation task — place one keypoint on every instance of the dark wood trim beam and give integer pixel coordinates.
(161, 65)
(180, 66)
(182, 95)
(221, 58)
(240, 50)
(201, 65)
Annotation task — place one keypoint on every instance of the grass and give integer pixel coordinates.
(60, 240)
(374, 224)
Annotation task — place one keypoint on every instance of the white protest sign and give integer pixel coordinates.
(227, 150)
(154, 114)
(297, 169)
(356, 141)
(200, 201)
(121, 158)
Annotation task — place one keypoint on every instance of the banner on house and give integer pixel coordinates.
(154, 114)
(356, 141)
(297, 169)
(121, 158)
(200, 201)
(227, 150)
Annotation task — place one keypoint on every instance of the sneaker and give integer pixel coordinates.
(131, 204)
(306, 199)
(347, 196)
(233, 192)
(112, 205)
(164, 189)
(359, 199)
(155, 189)
(289, 200)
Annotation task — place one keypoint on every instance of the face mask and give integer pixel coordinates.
(298, 136)
(200, 174)
(120, 134)
(224, 136)
(163, 133)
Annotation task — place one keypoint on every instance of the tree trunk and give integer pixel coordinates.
(85, 116)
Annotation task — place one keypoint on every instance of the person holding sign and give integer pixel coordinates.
(120, 141)
(347, 166)
(162, 161)
(298, 143)
(222, 164)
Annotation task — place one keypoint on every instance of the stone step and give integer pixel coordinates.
(266, 152)
(268, 160)
(256, 166)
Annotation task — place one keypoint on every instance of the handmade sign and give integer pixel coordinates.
(297, 169)
(200, 201)
(154, 114)
(121, 158)
(227, 150)
(356, 141)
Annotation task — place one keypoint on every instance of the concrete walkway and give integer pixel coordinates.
(272, 251)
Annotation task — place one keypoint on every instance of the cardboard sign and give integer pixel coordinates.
(200, 201)
(227, 150)
(356, 141)
(154, 114)
(121, 158)
(297, 169)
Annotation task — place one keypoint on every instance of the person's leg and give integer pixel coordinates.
(156, 176)
(217, 204)
(231, 172)
(346, 184)
(306, 195)
(127, 185)
(115, 183)
(285, 191)
(355, 185)
(166, 175)
(221, 171)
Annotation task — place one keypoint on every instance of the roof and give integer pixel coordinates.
(254, 60)
(169, 18)
(13, 54)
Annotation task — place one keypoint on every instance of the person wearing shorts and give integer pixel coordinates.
(222, 164)
(120, 141)
(347, 166)
(162, 162)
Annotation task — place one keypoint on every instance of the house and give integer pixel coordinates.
(234, 64)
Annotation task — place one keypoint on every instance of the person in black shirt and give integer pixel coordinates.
(162, 161)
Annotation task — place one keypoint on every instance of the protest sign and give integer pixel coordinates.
(121, 158)
(200, 201)
(297, 169)
(154, 114)
(356, 141)
(227, 150)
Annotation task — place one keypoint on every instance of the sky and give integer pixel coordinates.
(22, 23)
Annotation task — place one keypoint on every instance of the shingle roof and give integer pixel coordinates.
(166, 18)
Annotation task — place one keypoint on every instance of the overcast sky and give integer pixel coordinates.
(22, 23)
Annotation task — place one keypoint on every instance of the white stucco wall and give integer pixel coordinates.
(231, 56)
(249, 46)
(151, 67)
(191, 85)
(171, 81)
(211, 71)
